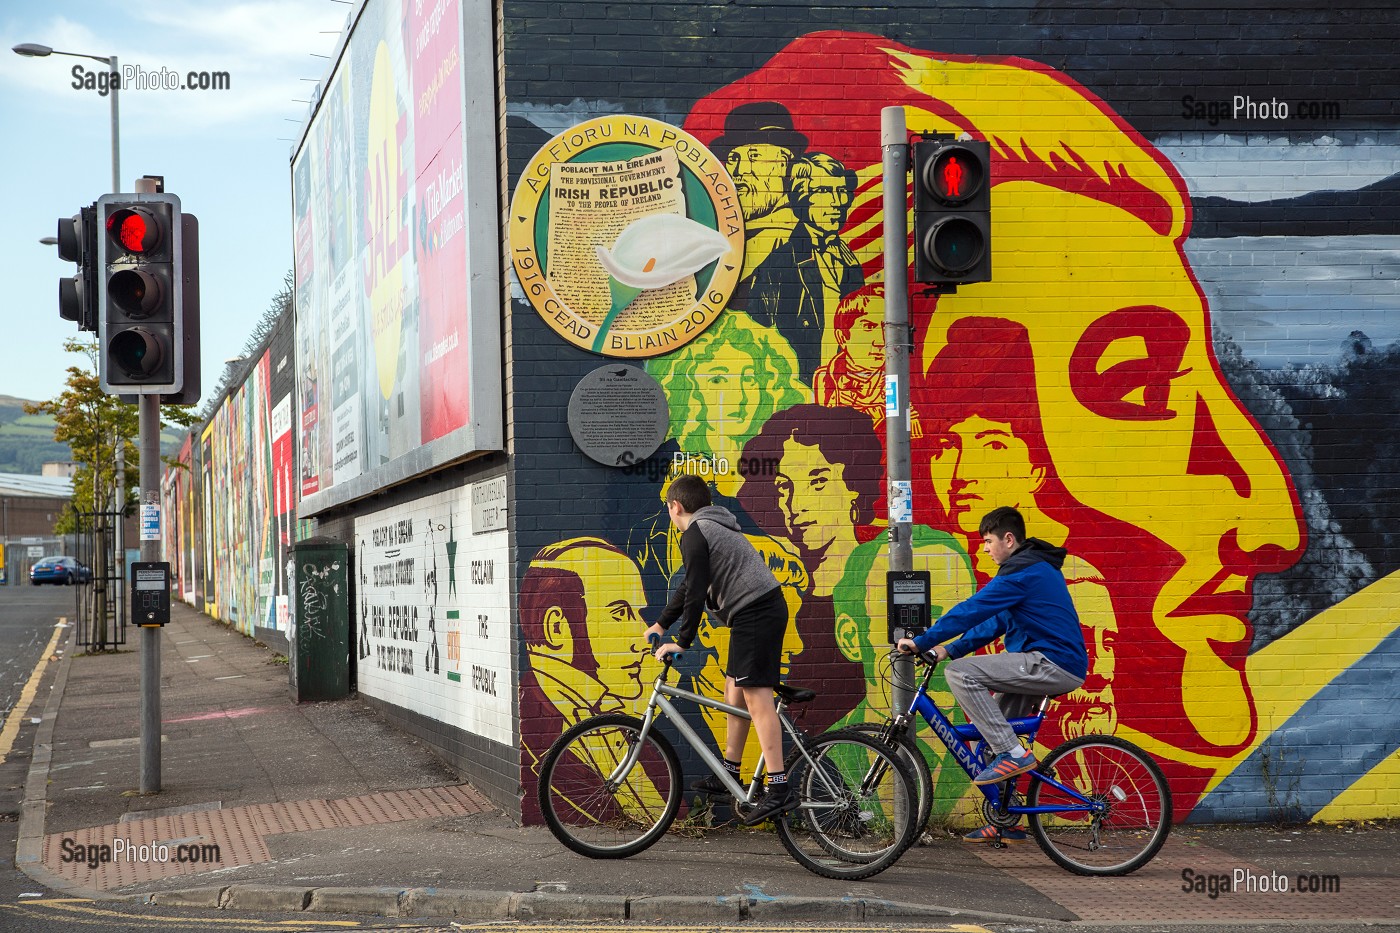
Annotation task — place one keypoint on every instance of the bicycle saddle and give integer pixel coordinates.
(794, 695)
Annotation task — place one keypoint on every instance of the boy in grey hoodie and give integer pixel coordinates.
(724, 573)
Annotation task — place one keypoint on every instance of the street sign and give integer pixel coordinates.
(150, 521)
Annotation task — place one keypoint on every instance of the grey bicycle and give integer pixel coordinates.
(611, 786)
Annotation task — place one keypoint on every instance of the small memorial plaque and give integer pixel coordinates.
(618, 415)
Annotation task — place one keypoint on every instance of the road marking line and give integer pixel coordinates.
(26, 696)
(72, 906)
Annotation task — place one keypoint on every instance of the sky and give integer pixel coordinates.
(226, 153)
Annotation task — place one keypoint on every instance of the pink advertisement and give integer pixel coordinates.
(439, 241)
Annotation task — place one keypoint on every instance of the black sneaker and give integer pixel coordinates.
(776, 800)
(709, 784)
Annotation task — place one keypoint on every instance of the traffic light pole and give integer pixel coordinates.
(148, 413)
(894, 146)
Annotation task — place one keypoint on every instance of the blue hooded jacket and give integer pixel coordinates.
(1027, 603)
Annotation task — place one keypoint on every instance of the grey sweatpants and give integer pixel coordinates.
(1019, 679)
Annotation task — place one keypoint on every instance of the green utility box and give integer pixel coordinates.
(319, 642)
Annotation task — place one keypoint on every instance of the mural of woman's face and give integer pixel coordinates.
(978, 465)
(1140, 425)
(813, 495)
(728, 383)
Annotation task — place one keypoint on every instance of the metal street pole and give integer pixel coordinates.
(894, 146)
(148, 412)
(116, 131)
(116, 560)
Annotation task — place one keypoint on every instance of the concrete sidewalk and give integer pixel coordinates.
(324, 807)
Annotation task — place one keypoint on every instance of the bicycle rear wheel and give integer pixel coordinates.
(856, 810)
(609, 819)
(1138, 814)
(910, 754)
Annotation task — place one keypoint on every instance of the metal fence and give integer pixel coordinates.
(101, 621)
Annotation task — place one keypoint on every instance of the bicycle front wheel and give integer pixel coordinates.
(857, 807)
(1137, 814)
(595, 811)
(910, 754)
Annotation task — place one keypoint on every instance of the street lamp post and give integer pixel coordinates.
(34, 50)
(150, 754)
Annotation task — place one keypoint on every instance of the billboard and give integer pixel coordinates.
(398, 347)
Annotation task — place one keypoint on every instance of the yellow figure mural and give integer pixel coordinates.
(581, 604)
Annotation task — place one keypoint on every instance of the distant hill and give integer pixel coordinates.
(26, 441)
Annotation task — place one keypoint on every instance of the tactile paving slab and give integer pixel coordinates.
(119, 854)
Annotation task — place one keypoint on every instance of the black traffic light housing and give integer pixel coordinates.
(190, 393)
(140, 262)
(952, 211)
(77, 242)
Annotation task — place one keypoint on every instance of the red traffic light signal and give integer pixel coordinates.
(140, 294)
(952, 212)
(135, 230)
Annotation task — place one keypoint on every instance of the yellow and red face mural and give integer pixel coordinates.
(1081, 386)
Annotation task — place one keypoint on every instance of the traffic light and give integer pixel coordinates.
(140, 294)
(952, 212)
(77, 242)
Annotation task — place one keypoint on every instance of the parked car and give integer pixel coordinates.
(59, 570)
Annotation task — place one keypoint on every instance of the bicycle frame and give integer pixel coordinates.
(661, 695)
(959, 739)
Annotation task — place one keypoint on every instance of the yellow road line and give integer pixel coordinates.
(76, 911)
(727, 925)
(26, 696)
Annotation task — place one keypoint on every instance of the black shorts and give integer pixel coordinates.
(756, 641)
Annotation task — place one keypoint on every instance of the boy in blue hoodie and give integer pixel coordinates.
(1028, 605)
(727, 575)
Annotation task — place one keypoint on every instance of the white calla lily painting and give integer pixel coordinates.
(653, 252)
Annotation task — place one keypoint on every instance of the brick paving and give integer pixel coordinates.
(239, 832)
(1156, 893)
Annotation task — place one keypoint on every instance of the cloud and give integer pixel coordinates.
(265, 48)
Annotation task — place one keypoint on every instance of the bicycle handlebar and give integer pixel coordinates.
(669, 659)
(921, 657)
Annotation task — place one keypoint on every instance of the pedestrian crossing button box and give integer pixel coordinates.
(907, 607)
(150, 594)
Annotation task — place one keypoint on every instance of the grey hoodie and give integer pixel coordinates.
(721, 568)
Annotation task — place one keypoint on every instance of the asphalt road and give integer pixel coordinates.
(27, 617)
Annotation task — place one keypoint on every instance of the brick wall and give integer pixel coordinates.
(1182, 370)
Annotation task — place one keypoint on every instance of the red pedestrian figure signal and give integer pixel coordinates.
(953, 177)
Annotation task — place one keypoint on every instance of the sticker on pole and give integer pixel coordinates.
(891, 396)
(150, 521)
(901, 502)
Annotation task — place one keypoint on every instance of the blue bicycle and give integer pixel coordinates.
(1096, 805)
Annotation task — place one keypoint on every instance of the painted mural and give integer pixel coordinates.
(431, 606)
(1087, 385)
(231, 497)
